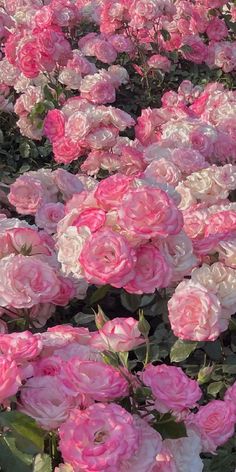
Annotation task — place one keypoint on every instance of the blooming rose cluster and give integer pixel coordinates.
(63, 383)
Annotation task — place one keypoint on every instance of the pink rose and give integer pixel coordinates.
(107, 258)
(118, 335)
(215, 423)
(104, 52)
(111, 190)
(99, 381)
(27, 194)
(151, 271)
(195, 313)
(157, 61)
(93, 218)
(216, 29)
(43, 399)
(149, 212)
(98, 438)
(48, 215)
(197, 51)
(65, 150)
(26, 281)
(68, 184)
(20, 346)
(9, 378)
(170, 386)
(54, 125)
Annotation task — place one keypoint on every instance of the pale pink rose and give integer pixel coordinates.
(179, 255)
(40, 314)
(48, 215)
(215, 424)
(157, 61)
(68, 183)
(26, 281)
(10, 380)
(97, 89)
(107, 258)
(99, 381)
(27, 241)
(78, 125)
(118, 335)
(195, 313)
(70, 245)
(163, 170)
(54, 125)
(93, 218)
(102, 137)
(188, 160)
(216, 29)
(222, 222)
(64, 468)
(170, 386)
(43, 399)
(58, 337)
(27, 194)
(149, 212)
(202, 139)
(104, 51)
(100, 437)
(150, 443)
(118, 75)
(151, 271)
(111, 190)
(20, 346)
(180, 455)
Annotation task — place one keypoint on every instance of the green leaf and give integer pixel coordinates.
(42, 463)
(23, 426)
(143, 325)
(186, 48)
(165, 34)
(229, 366)
(181, 350)
(214, 388)
(24, 149)
(130, 302)
(11, 459)
(169, 429)
(99, 294)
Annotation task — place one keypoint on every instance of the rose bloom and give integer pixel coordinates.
(98, 438)
(163, 170)
(10, 380)
(107, 258)
(149, 212)
(215, 423)
(20, 346)
(68, 184)
(27, 194)
(195, 313)
(48, 215)
(99, 381)
(151, 271)
(43, 399)
(170, 386)
(65, 150)
(111, 190)
(93, 218)
(159, 62)
(70, 244)
(26, 281)
(216, 29)
(54, 125)
(118, 335)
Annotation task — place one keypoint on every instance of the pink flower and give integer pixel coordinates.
(111, 190)
(10, 380)
(216, 29)
(54, 125)
(48, 215)
(98, 438)
(197, 50)
(93, 218)
(151, 271)
(107, 258)
(170, 386)
(20, 346)
(99, 381)
(149, 212)
(68, 184)
(65, 150)
(195, 313)
(43, 399)
(26, 281)
(27, 194)
(215, 423)
(157, 61)
(98, 89)
(118, 335)
(66, 292)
